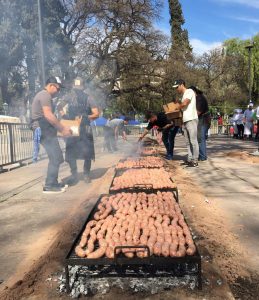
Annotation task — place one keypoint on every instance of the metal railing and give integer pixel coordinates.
(16, 140)
(16, 143)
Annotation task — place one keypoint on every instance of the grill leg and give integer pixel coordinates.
(67, 279)
(177, 195)
(199, 276)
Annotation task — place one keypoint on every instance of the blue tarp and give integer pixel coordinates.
(99, 122)
(134, 122)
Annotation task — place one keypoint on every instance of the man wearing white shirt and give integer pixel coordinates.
(248, 119)
(190, 121)
(257, 119)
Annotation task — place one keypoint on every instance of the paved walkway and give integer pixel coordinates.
(234, 184)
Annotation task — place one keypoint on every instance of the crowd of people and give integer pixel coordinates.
(48, 119)
(246, 123)
(78, 105)
(196, 122)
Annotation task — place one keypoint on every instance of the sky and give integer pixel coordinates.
(210, 22)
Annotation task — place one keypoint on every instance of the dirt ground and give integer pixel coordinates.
(226, 274)
(244, 155)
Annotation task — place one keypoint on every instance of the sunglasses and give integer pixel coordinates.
(57, 87)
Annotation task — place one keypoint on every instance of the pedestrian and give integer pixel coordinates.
(233, 121)
(240, 124)
(257, 123)
(36, 141)
(165, 126)
(80, 105)
(204, 121)
(112, 130)
(43, 113)
(220, 124)
(190, 122)
(248, 121)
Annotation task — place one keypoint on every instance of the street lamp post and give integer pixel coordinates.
(249, 48)
(5, 107)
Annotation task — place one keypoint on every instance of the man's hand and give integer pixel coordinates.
(140, 139)
(66, 131)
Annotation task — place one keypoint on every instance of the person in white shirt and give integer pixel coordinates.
(190, 121)
(237, 122)
(240, 124)
(248, 120)
(257, 120)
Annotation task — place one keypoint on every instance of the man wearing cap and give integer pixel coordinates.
(42, 113)
(168, 129)
(82, 106)
(112, 129)
(248, 120)
(190, 121)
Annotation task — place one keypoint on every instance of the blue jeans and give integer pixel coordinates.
(36, 144)
(202, 131)
(168, 137)
(55, 156)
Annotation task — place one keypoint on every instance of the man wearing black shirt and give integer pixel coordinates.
(168, 130)
(204, 122)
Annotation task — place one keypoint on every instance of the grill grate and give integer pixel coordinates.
(152, 266)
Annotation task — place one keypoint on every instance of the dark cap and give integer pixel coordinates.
(55, 80)
(178, 82)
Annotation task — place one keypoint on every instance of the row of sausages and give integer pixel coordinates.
(147, 151)
(156, 178)
(125, 219)
(144, 162)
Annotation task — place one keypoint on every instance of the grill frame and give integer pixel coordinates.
(138, 167)
(151, 264)
(138, 188)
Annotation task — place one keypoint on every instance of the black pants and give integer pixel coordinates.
(168, 136)
(55, 156)
(73, 166)
(240, 129)
(109, 138)
(257, 131)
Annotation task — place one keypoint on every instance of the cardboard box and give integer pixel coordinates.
(174, 115)
(171, 107)
(73, 125)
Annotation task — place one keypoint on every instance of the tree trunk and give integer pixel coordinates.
(30, 69)
(4, 88)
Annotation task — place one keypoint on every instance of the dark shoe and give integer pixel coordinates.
(169, 157)
(202, 159)
(87, 178)
(72, 180)
(53, 190)
(193, 164)
(61, 185)
(185, 163)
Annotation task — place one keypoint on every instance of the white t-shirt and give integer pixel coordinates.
(257, 113)
(189, 112)
(248, 115)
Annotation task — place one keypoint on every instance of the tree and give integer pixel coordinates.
(235, 49)
(11, 52)
(181, 48)
(106, 49)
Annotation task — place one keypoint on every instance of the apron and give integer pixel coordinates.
(81, 147)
